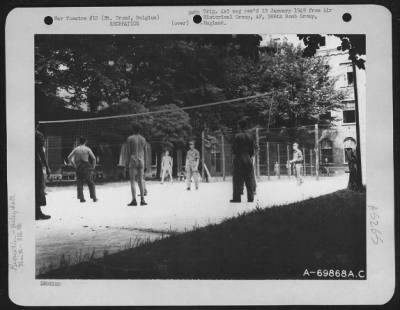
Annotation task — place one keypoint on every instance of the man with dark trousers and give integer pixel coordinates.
(40, 161)
(79, 158)
(243, 151)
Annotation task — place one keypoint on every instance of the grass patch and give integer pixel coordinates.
(273, 243)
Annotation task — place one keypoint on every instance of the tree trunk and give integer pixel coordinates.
(93, 98)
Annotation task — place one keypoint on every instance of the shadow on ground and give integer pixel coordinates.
(327, 232)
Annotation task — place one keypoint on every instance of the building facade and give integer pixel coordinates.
(334, 142)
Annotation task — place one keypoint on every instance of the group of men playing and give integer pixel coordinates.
(136, 147)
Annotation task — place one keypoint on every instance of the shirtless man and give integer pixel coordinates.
(136, 163)
(166, 166)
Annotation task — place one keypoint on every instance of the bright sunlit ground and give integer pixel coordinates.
(78, 229)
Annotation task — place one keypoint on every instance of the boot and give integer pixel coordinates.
(41, 216)
(133, 203)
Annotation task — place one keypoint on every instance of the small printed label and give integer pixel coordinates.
(334, 274)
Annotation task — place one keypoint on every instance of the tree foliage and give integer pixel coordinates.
(151, 69)
(302, 91)
(171, 126)
(355, 44)
(125, 74)
(302, 88)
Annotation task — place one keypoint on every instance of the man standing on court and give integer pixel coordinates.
(166, 166)
(40, 161)
(136, 162)
(192, 166)
(79, 158)
(243, 151)
(298, 163)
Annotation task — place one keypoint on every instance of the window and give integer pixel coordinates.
(322, 41)
(349, 116)
(349, 105)
(348, 143)
(325, 116)
(326, 151)
(349, 113)
(350, 78)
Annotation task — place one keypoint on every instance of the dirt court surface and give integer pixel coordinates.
(77, 230)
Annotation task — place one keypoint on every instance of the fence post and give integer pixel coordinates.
(279, 162)
(223, 156)
(268, 160)
(316, 153)
(287, 162)
(203, 155)
(179, 161)
(257, 154)
(47, 148)
(304, 161)
(311, 162)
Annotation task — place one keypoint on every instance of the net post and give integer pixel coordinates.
(268, 173)
(316, 152)
(279, 162)
(257, 153)
(202, 156)
(304, 162)
(178, 161)
(287, 162)
(223, 156)
(47, 148)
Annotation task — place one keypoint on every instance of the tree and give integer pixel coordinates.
(302, 90)
(186, 70)
(151, 69)
(165, 127)
(128, 74)
(171, 129)
(117, 129)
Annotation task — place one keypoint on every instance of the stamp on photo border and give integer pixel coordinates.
(200, 145)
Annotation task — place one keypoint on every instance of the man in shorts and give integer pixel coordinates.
(192, 166)
(166, 166)
(136, 163)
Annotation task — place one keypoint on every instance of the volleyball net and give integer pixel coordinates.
(212, 126)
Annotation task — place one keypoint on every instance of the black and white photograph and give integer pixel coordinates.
(200, 156)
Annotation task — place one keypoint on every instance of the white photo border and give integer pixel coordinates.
(372, 20)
